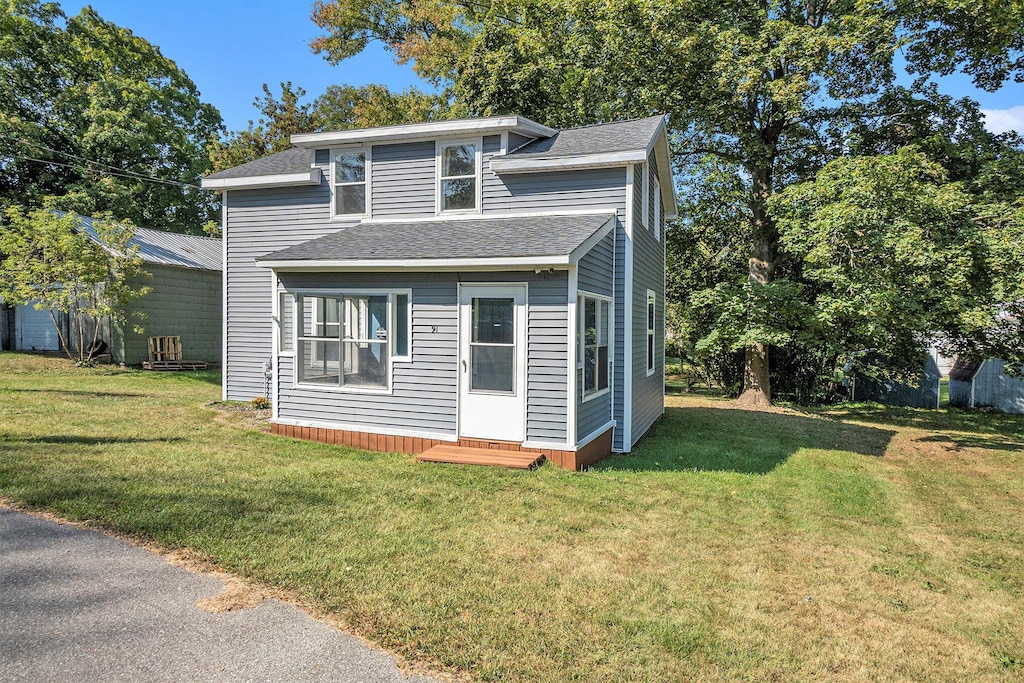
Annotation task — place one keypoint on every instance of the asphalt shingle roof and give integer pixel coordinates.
(290, 161)
(468, 239)
(619, 136)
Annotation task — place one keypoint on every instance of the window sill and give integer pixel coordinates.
(383, 391)
(596, 394)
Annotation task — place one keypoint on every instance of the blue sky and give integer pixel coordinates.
(231, 47)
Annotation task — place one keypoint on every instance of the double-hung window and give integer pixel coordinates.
(345, 339)
(349, 183)
(458, 177)
(594, 332)
(650, 332)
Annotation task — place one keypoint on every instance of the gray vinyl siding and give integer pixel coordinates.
(547, 365)
(492, 143)
(648, 273)
(994, 388)
(185, 303)
(555, 192)
(404, 182)
(597, 267)
(261, 222)
(425, 390)
(515, 141)
(595, 275)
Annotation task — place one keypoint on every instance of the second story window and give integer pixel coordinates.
(350, 183)
(458, 177)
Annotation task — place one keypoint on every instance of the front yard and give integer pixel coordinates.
(851, 544)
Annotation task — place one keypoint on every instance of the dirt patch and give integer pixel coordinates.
(241, 415)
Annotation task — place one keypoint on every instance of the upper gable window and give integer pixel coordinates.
(350, 183)
(458, 177)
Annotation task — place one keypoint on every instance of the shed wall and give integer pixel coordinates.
(183, 302)
(994, 388)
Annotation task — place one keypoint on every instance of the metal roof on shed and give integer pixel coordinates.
(158, 247)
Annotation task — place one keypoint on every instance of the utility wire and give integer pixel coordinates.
(110, 169)
(113, 173)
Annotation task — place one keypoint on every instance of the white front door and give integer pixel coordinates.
(492, 362)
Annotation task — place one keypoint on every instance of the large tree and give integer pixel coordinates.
(95, 115)
(766, 91)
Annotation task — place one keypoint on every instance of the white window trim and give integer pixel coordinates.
(581, 342)
(649, 348)
(279, 322)
(367, 209)
(393, 315)
(340, 294)
(478, 146)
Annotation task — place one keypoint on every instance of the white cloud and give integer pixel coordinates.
(1003, 120)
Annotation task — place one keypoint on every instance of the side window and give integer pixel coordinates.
(349, 184)
(594, 333)
(458, 177)
(650, 332)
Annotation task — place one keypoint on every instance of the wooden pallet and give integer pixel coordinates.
(165, 348)
(175, 365)
(463, 455)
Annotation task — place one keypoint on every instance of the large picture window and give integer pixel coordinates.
(345, 340)
(458, 177)
(594, 332)
(350, 183)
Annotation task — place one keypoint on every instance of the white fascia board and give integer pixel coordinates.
(413, 265)
(589, 243)
(310, 177)
(427, 130)
(663, 155)
(602, 160)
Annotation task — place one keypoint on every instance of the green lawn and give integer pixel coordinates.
(858, 543)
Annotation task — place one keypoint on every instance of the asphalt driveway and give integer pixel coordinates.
(76, 605)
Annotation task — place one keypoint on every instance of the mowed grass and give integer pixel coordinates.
(859, 543)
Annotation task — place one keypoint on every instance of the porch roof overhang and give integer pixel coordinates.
(482, 244)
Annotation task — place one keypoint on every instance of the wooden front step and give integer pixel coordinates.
(464, 455)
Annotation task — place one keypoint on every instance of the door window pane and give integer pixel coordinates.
(493, 321)
(493, 368)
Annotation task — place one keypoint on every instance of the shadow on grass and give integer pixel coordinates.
(944, 419)
(974, 441)
(747, 442)
(83, 394)
(89, 440)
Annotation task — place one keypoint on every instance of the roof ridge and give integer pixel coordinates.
(612, 123)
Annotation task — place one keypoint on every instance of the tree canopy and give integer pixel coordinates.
(97, 116)
(49, 261)
(338, 108)
(761, 95)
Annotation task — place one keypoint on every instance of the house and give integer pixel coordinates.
(489, 282)
(976, 384)
(185, 301)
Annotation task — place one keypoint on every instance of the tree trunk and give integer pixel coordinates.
(756, 380)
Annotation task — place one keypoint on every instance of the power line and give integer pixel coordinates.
(50, 162)
(111, 170)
